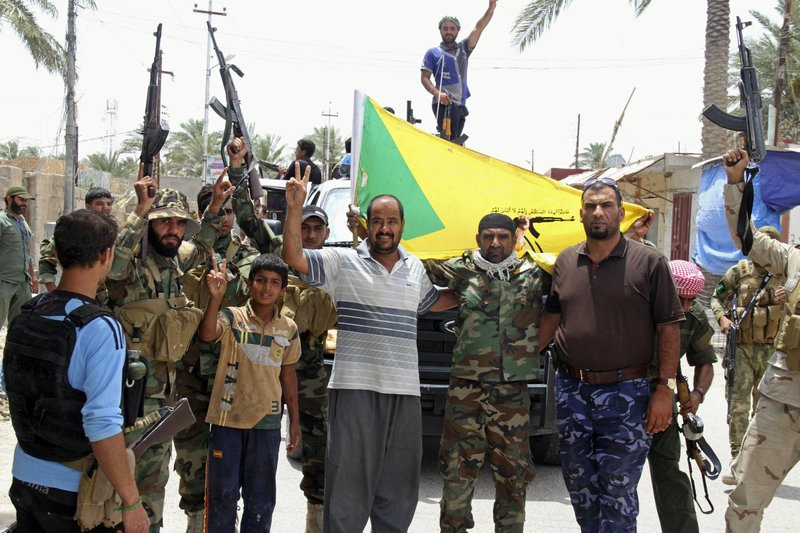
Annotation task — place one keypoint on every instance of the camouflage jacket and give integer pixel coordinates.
(260, 234)
(130, 279)
(498, 321)
(314, 312)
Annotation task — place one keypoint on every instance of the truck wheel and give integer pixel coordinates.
(545, 449)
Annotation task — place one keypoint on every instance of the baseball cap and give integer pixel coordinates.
(19, 190)
(314, 211)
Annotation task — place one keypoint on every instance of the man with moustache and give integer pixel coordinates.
(97, 199)
(447, 64)
(609, 301)
(17, 277)
(496, 354)
(146, 294)
(374, 418)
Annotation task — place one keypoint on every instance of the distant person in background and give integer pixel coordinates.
(444, 74)
(17, 277)
(97, 199)
(302, 154)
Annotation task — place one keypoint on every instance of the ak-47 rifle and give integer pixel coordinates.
(729, 359)
(697, 448)
(171, 420)
(750, 123)
(539, 220)
(155, 131)
(234, 121)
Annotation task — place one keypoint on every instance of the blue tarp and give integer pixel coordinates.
(715, 251)
(781, 186)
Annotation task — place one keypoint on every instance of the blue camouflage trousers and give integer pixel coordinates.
(603, 446)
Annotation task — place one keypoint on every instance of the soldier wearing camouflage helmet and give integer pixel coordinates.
(770, 446)
(496, 354)
(146, 295)
(196, 370)
(754, 339)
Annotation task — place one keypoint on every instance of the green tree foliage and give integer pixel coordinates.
(269, 148)
(764, 52)
(11, 150)
(592, 156)
(183, 153)
(112, 164)
(20, 16)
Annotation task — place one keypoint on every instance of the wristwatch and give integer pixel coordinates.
(669, 383)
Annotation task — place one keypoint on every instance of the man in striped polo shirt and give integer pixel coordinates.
(374, 417)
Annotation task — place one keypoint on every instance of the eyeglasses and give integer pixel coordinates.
(611, 182)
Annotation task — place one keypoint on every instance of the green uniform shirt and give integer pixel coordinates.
(696, 335)
(15, 251)
(498, 321)
(48, 263)
(260, 234)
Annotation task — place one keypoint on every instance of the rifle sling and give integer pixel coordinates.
(752, 302)
(743, 228)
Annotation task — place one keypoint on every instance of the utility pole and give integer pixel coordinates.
(111, 126)
(328, 143)
(208, 12)
(780, 75)
(578, 140)
(71, 135)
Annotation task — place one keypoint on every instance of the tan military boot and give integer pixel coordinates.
(195, 522)
(314, 518)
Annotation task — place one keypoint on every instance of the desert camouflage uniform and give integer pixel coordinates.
(196, 370)
(131, 280)
(672, 488)
(753, 341)
(488, 404)
(771, 445)
(48, 268)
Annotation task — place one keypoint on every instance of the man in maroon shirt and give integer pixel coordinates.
(612, 301)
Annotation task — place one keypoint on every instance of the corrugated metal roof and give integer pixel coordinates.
(615, 173)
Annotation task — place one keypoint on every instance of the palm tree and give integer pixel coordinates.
(112, 163)
(538, 15)
(592, 156)
(43, 47)
(320, 140)
(183, 153)
(765, 60)
(268, 148)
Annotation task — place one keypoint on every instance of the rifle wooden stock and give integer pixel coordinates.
(173, 420)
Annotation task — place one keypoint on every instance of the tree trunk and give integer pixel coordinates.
(716, 140)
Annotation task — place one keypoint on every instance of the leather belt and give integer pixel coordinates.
(603, 377)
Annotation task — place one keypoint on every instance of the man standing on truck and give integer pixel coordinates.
(496, 354)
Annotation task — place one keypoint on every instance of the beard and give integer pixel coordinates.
(383, 248)
(163, 249)
(16, 208)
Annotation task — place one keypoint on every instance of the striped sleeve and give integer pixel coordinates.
(323, 266)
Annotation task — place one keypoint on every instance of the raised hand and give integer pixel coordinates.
(296, 190)
(143, 199)
(237, 149)
(222, 190)
(216, 279)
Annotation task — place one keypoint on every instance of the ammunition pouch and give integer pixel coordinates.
(311, 308)
(788, 339)
(160, 329)
(98, 502)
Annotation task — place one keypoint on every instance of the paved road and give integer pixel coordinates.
(548, 508)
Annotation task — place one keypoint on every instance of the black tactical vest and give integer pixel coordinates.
(45, 409)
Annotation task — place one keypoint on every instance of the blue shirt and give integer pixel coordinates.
(96, 370)
(449, 69)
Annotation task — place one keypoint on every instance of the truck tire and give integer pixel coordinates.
(544, 449)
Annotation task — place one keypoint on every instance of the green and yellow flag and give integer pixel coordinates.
(446, 188)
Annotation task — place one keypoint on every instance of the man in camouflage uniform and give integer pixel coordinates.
(146, 294)
(196, 370)
(97, 199)
(314, 313)
(672, 488)
(754, 339)
(771, 445)
(496, 353)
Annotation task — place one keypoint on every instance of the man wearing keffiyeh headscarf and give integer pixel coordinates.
(496, 354)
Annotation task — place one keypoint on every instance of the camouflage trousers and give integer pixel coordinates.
(603, 444)
(672, 489)
(312, 395)
(751, 362)
(152, 470)
(191, 444)
(771, 448)
(481, 419)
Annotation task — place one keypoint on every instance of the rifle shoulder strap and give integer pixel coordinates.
(752, 302)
